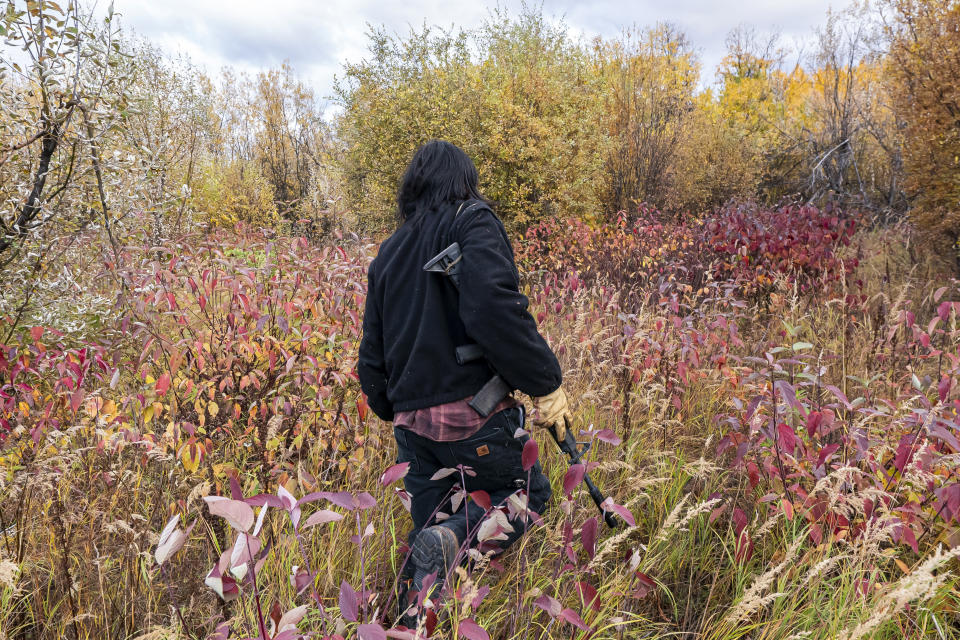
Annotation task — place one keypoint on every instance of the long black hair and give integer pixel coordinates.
(440, 173)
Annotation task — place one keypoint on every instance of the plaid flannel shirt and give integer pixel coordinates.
(447, 422)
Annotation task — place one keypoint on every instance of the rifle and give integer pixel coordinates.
(447, 262)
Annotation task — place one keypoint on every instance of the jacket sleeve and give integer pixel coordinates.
(494, 312)
(371, 366)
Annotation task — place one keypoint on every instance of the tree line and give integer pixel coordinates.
(102, 131)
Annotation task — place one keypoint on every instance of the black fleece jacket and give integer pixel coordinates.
(414, 319)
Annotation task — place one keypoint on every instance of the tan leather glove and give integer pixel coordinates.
(552, 412)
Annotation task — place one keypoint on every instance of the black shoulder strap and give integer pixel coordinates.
(467, 206)
(461, 213)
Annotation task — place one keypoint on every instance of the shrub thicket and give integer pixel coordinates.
(523, 107)
(924, 68)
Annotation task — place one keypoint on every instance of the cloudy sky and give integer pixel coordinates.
(317, 36)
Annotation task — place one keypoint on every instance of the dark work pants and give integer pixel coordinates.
(493, 453)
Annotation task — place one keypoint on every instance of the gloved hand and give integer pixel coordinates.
(552, 412)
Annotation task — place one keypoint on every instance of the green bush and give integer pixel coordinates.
(518, 95)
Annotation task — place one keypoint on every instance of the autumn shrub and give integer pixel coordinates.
(921, 31)
(235, 193)
(759, 245)
(227, 361)
(745, 246)
(648, 81)
(681, 364)
(518, 96)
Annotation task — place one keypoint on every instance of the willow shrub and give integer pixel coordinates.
(518, 95)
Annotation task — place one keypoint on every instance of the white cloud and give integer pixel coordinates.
(318, 36)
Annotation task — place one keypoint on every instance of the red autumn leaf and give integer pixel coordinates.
(482, 498)
(443, 473)
(573, 478)
(365, 501)
(814, 420)
(238, 514)
(620, 510)
(163, 384)
(482, 593)
(645, 582)
(716, 513)
(362, 407)
(753, 474)
(908, 536)
(940, 431)
(788, 439)
(371, 632)
(222, 632)
(787, 508)
(816, 534)
(608, 436)
(840, 395)
(343, 499)
(574, 618)
(588, 595)
(76, 399)
(348, 602)
(394, 473)
(471, 630)
(739, 520)
(905, 451)
(944, 310)
(36, 333)
(531, 451)
(943, 389)
(549, 604)
(321, 517)
(588, 534)
(790, 395)
(826, 452)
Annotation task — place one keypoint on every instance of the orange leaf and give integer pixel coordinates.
(362, 407)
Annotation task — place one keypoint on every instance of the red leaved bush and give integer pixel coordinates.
(253, 343)
(744, 245)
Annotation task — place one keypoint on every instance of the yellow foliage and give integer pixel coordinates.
(524, 108)
(924, 71)
(191, 454)
(649, 78)
(235, 192)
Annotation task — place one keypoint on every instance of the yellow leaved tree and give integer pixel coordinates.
(924, 71)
